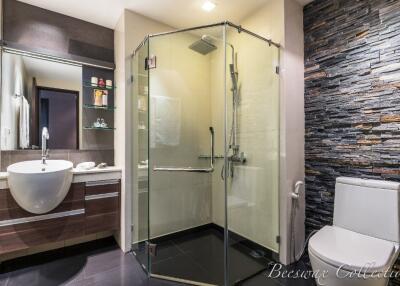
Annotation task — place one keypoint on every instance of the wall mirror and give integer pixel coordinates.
(39, 93)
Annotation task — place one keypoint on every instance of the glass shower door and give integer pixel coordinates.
(140, 194)
(182, 144)
(252, 176)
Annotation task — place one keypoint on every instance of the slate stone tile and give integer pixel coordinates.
(352, 112)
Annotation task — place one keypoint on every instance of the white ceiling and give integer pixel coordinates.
(175, 13)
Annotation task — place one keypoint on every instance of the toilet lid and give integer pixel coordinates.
(352, 251)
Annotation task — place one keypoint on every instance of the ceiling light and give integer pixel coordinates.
(208, 6)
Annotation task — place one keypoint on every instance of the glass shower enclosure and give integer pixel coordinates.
(206, 202)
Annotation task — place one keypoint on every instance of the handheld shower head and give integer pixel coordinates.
(234, 78)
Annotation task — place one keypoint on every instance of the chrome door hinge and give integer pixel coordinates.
(152, 249)
(150, 62)
(277, 69)
(278, 239)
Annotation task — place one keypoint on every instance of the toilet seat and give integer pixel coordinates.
(352, 251)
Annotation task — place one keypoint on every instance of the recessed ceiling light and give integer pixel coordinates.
(208, 6)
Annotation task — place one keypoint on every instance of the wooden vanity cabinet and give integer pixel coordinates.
(102, 205)
(88, 208)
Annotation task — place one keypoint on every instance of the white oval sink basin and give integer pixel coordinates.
(39, 188)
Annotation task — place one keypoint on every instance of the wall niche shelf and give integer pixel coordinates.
(98, 137)
(102, 107)
(89, 85)
(99, 128)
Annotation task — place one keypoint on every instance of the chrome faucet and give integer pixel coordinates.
(45, 151)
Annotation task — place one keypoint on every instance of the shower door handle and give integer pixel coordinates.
(192, 169)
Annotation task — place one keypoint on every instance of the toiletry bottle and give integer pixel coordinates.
(105, 97)
(101, 82)
(109, 83)
(98, 97)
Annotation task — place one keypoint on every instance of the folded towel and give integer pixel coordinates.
(23, 123)
(165, 121)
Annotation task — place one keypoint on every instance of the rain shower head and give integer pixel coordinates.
(203, 46)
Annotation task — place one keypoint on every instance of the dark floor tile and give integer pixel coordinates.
(106, 260)
(88, 248)
(28, 276)
(210, 256)
(86, 282)
(199, 240)
(56, 272)
(242, 266)
(207, 250)
(3, 279)
(62, 271)
(119, 276)
(260, 280)
(166, 250)
(182, 267)
(140, 253)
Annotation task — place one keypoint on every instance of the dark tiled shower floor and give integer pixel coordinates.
(199, 256)
(102, 263)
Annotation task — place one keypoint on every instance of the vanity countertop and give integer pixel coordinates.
(97, 170)
(80, 176)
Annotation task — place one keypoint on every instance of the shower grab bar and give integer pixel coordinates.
(191, 169)
(208, 157)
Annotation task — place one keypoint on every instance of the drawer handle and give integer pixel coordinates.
(17, 221)
(101, 196)
(101, 183)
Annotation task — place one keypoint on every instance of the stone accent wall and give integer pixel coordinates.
(352, 97)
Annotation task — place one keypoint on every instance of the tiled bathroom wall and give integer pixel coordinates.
(352, 81)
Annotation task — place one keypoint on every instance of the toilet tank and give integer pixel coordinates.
(369, 207)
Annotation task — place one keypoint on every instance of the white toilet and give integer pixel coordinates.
(363, 242)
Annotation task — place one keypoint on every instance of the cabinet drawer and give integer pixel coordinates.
(27, 235)
(102, 206)
(96, 188)
(102, 222)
